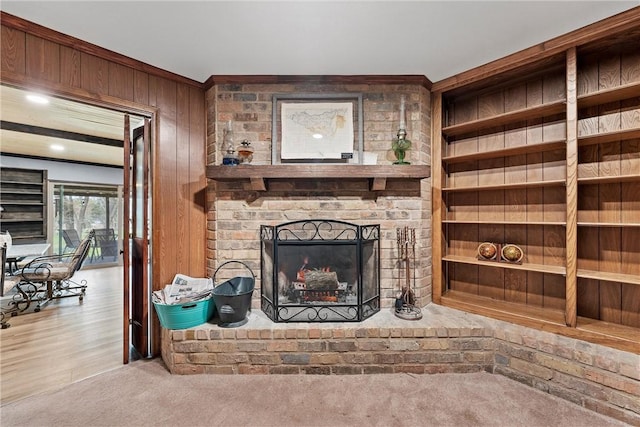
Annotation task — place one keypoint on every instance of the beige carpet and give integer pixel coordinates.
(144, 393)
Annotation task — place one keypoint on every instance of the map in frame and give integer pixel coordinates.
(322, 130)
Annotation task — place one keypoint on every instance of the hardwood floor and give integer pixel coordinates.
(66, 341)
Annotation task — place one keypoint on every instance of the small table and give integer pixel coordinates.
(19, 252)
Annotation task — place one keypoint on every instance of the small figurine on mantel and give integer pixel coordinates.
(401, 144)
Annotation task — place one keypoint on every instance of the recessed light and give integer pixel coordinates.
(56, 147)
(317, 135)
(37, 99)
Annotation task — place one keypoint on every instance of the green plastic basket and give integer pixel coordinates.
(187, 315)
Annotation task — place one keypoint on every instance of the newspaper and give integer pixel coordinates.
(184, 289)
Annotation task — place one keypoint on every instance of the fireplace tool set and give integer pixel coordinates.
(405, 303)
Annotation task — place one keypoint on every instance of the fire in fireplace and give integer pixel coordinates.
(320, 271)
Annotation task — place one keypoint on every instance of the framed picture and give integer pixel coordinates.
(317, 128)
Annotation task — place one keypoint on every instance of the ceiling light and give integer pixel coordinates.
(37, 99)
(317, 135)
(56, 147)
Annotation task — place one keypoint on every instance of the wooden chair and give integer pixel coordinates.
(50, 277)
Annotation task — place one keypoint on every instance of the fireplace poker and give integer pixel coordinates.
(405, 305)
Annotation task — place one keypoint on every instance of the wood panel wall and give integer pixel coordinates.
(36, 57)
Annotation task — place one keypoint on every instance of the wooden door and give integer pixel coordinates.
(136, 254)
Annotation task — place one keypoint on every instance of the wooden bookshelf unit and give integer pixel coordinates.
(545, 156)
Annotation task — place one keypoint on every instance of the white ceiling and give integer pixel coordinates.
(62, 115)
(197, 39)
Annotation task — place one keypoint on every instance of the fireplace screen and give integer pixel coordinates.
(320, 271)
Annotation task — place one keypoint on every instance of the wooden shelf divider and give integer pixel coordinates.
(613, 94)
(605, 137)
(507, 151)
(517, 185)
(609, 179)
(542, 110)
(611, 277)
(540, 268)
(525, 223)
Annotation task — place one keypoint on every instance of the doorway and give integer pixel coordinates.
(78, 198)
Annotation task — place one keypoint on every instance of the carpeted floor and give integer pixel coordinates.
(145, 393)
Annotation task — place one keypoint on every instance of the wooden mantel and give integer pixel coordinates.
(259, 175)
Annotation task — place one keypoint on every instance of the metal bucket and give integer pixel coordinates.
(233, 297)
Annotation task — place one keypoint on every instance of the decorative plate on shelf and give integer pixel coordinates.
(512, 253)
(487, 250)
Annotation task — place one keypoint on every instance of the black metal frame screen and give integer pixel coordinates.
(320, 271)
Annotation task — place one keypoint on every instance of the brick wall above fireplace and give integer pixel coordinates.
(236, 210)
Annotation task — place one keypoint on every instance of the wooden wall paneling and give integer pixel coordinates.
(121, 81)
(464, 277)
(630, 65)
(464, 111)
(165, 193)
(87, 73)
(515, 280)
(70, 71)
(183, 199)
(630, 311)
(197, 183)
(491, 204)
(535, 288)
(588, 298)
(12, 50)
(535, 212)
(515, 201)
(43, 59)
(141, 87)
(94, 74)
(609, 197)
(464, 206)
(491, 279)
(535, 244)
(554, 199)
(610, 301)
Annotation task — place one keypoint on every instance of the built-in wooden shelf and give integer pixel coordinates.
(608, 224)
(525, 223)
(19, 192)
(632, 279)
(609, 179)
(259, 175)
(21, 202)
(540, 268)
(538, 111)
(512, 186)
(618, 336)
(611, 334)
(605, 137)
(507, 151)
(614, 94)
(529, 315)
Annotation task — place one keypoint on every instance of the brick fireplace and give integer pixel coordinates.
(236, 210)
